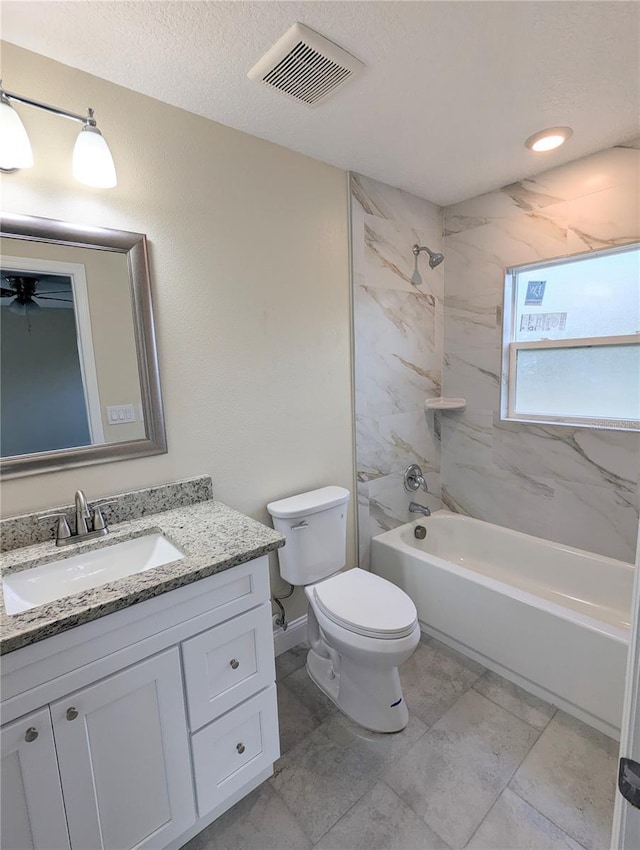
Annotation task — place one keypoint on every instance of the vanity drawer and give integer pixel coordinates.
(229, 752)
(227, 664)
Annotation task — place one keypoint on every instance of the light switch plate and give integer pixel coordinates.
(120, 414)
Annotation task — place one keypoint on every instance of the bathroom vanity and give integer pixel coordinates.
(135, 713)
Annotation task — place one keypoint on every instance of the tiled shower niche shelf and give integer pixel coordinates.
(445, 404)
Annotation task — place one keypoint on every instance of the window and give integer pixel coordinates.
(571, 346)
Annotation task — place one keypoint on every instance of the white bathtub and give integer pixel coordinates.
(549, 617)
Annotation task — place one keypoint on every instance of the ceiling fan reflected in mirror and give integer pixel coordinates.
(23, 290)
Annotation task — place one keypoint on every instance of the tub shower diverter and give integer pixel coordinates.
(45, 583)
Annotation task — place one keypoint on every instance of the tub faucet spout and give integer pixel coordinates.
(415, 508)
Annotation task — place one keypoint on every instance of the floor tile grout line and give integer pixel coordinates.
(417, 814)
(489, 810)
(550, 819)
(522, 797)
(506, 784)
(512, 713)
(453, 704)
(293, 814)
(366, 791)
(317, 723)
(513, 773)
(344, 814)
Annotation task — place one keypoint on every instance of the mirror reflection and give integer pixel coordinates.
(69, 370)
(78, 363)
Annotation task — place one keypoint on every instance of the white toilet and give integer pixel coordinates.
(360, 627)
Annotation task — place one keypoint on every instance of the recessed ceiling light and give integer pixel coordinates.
(549, 139)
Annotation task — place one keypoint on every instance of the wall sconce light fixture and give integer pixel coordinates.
(92, 160)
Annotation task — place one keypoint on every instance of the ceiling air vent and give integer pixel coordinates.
(306, 66)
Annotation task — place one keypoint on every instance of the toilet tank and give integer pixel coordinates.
(315, 527)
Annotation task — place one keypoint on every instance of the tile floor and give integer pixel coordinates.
(482, 764)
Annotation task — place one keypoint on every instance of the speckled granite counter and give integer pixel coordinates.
(213, 537)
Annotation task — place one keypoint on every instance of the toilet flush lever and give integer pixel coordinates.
(300, 525)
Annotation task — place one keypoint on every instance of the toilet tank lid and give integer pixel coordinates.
(309, 503)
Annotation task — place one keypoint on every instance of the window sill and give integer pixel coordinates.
(593, 424)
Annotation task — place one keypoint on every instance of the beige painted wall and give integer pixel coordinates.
(114, 345)
(249, 264)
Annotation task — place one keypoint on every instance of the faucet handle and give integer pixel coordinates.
(98, 518)
(414, 479)
(63, 532)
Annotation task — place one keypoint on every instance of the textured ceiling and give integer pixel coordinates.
(450, 93)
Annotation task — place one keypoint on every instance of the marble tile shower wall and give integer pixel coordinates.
(574, 485)
(398, 352)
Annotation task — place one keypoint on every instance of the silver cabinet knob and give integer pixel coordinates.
(31, 734)
(234, 664)
(240, 748)
(72, 713)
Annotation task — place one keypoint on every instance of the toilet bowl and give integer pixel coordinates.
(351, 659)
(360, 627)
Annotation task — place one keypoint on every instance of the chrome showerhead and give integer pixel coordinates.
(434, 260)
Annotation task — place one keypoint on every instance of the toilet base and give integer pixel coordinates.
(369, 696)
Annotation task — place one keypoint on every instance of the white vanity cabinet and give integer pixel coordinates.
(32, 816)
(123, 753)
(149, 722)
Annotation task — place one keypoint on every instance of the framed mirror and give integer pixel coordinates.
(79, 381)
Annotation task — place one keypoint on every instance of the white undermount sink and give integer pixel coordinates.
(54, 580)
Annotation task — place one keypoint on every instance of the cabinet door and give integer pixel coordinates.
(32, 809)
(124, 761)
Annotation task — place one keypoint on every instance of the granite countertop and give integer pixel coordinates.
(213, 537)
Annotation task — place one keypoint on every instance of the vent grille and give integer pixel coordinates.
(306, 66)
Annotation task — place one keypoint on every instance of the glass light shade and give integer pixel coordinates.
(92, 160)
(15, 147)
(22, 308)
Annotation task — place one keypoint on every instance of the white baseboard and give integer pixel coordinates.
(296, 633)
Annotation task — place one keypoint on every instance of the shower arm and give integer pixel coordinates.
(435, 258)
(417, 250)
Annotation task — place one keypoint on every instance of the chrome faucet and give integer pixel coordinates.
(82, 513)
(414, 479)
(89, 523)
(415, 508)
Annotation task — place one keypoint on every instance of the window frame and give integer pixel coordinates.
(510, 348)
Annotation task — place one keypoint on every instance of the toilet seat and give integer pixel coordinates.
(366, 604)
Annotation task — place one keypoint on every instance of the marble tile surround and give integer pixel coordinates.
(574, 485)
(398, 334)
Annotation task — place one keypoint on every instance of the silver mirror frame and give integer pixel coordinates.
(134, 245)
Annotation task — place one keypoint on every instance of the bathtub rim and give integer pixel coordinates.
(393, 539)
(510, 532)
